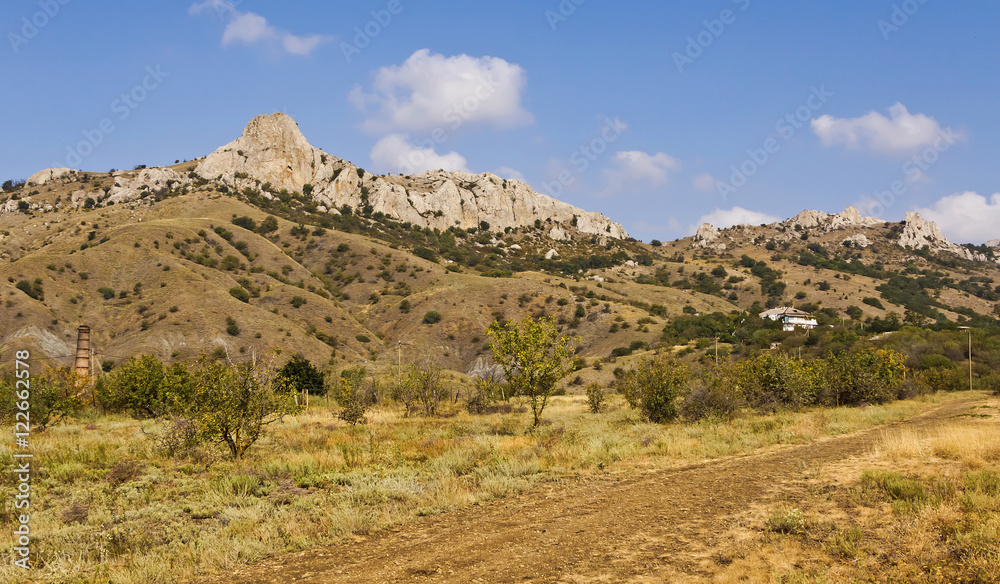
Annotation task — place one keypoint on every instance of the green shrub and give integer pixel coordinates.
(654, 386)
(595, 397)
(432, 317)
(145, 388)
(240, 294)
(867, 375)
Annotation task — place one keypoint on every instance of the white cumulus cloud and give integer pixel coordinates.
(397, 153)
(966, 217)
(433, 92)
(510, 173)
(633, 167)
(704, 182)
(900, 132)
(721, 218)
(250, 28)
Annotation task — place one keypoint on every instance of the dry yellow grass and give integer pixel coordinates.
(920, 507)
(315, 480)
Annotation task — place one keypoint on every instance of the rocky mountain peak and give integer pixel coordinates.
(273, 150)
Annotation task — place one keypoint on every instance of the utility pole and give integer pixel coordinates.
(716, 352)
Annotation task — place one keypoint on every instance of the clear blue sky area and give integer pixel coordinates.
(660, 115)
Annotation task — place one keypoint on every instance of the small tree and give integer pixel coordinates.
(428, 387)
(145, 388)
(653, 388)
(349, 391)
(300, 375)
(235, 402)
(533, 356)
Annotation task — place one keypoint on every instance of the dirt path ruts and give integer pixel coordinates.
(654, 528)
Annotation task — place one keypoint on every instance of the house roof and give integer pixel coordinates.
(784, 311)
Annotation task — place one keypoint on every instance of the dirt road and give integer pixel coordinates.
(660, 527)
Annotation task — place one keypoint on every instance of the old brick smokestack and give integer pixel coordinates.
(82, 365)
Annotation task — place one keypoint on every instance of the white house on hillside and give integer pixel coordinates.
(790, 318)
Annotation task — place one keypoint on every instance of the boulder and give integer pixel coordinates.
(43, 176)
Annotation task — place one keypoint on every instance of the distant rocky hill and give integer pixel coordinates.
(916, 233)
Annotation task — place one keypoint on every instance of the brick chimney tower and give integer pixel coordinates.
(82, 365)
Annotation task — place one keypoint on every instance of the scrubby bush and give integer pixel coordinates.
(595, 397)
(654, 386)
(145, 388)
(51, 395)
(432, 317)
(866, 375)
(769, 381)
(350, 390)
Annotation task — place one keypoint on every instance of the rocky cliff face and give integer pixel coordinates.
(849, 217)
(918, 232)
(273, 150)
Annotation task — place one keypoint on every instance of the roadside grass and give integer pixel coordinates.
(920, 507)
(109, 506)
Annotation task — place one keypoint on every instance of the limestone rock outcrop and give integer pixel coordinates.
(43, 176)
(825, 222)
(857, 240)
(918, 232)
(273, 150)
(707, 237)
(148, 179)
(992, 243)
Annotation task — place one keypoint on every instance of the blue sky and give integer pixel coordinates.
(658, 114)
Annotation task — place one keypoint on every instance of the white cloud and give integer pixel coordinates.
(900, 132)
(721, 218)
(633, 167)
(398, 154)
(250, 28)
(704, 182)
(433, 92)
(966, 217)
(510, 173)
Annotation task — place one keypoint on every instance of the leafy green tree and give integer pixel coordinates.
(145, 388)
(235, 402)
(654, 386)
(50, 396)
(533, 356)
(301, 375)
